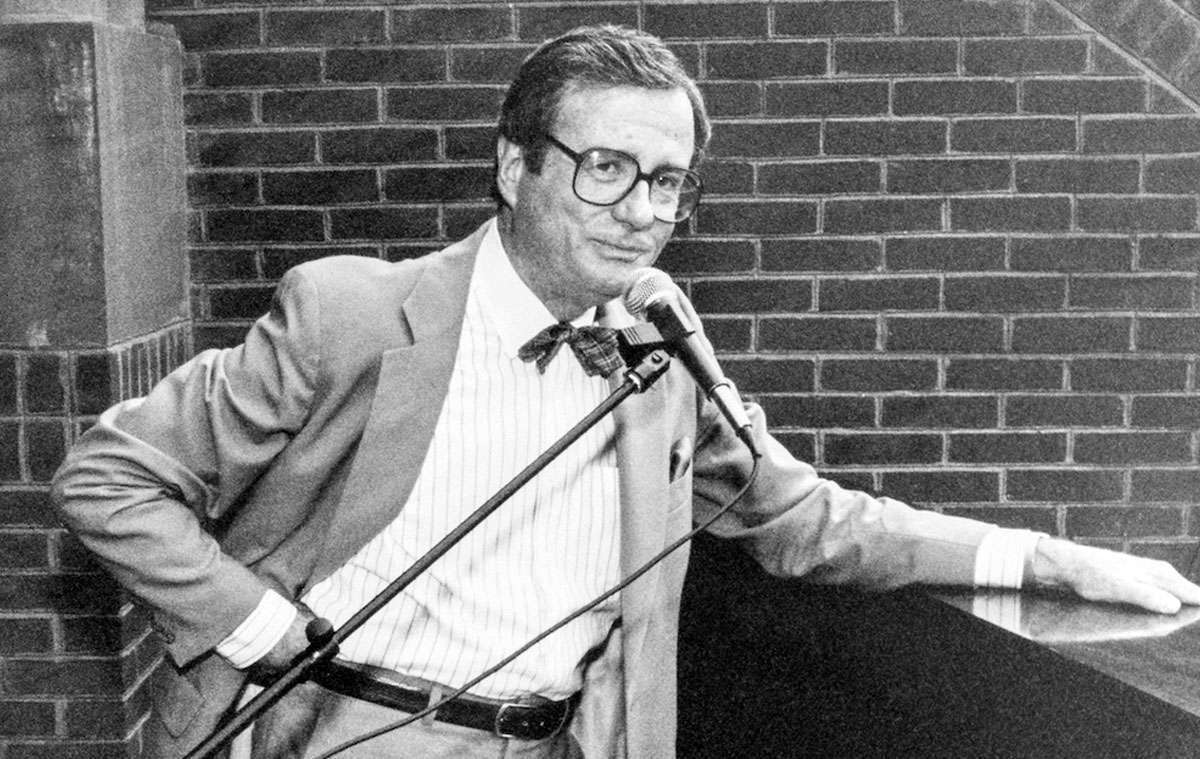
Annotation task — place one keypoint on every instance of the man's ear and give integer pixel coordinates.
(510, 167)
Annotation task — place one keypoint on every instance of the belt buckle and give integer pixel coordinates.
(497, 726)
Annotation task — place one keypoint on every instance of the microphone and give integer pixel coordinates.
(656, 296)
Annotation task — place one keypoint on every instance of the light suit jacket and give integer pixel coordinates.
(272, 463)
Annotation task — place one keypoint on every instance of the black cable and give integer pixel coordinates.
(555, 627)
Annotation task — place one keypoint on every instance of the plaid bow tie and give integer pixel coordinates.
(594, 346)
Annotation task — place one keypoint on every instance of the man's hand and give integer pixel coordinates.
(292, 644)
(1101, 575)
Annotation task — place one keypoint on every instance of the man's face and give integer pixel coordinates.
(572, 254)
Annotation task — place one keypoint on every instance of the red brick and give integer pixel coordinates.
(1064, 486)
(276, 261)
(1167, 411)
(940, 411)
(383, 223)
(44, 391)
(393, 64)
(222, 108)
(1133, 447)
(817, 333)
(1071, 334)
(943, 486)
(1037, 55)
(819, 411)
(244, 149)
(884, 137)
(8, 383)
(479, 65)
(726, 99)
(1063, 411)
(829, 98)
(757, 218)
(1137, 214)
(462, 219)
(446, 103)
(26, 718)
(1007, 448)
(721, 177)
(1140, 293)
(957, 18)
(1016, 214)
(771, 375)
(820, 254)
(1149, 135)
(341, 27)
(1004, 293)
(742, 295)
(214, 31)
(953, 96)
(895, 57)
(834, 19)
(300, 188)
(700, 19)
(1167, 485)
(759, 60)
(378, 145)
(1083, 96)
(1172, 175)
(1123, 521)
(1072, 254)
(893, 293)
(1004, 374)
(1078, 175)
(540, 23)
(265, 225)
(1169, 334)
(821, 178)
(452, 24)
(29, 507)
(438, 184)
(59, 593)
(944, 253)
(1169, 253)
(77, 677)
(692, 256)
(945, 334)
(224, 188)
(244, 302)
(1128, 375)
(785, 139)
(878, 375)
(881, 448)
(251, 69)
(729, 334)
(800, 445)
(45, 447)
(845, 217)
(24, 550)
(25, 636)
(948, 176)
(1013, 135)
(320, 107)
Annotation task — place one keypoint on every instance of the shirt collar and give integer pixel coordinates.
(506, 301)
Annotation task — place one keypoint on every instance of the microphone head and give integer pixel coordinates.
(649, 285)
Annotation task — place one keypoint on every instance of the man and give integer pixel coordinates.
(378, 404)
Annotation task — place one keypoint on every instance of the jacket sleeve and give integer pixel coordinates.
(796, 523)
(145, 485)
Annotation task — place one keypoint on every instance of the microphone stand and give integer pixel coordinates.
(649, 363)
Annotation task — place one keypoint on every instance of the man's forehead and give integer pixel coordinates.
(609, 116)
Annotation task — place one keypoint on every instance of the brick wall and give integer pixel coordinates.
(952, 246)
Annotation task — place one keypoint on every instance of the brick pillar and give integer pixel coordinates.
(93, 309)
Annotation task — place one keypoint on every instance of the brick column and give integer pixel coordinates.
(93, 309)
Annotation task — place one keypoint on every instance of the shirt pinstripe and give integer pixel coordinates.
(550, 548)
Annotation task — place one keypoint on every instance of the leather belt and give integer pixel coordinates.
(530, 719)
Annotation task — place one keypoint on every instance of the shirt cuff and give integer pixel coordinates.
(259, 632)
(1002, 556)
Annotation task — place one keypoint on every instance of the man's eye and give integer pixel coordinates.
(671, 182)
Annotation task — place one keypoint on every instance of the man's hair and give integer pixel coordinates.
(590, 56)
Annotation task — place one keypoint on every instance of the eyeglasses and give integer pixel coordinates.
(603, 177)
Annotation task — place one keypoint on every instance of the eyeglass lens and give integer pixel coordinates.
(604, 177)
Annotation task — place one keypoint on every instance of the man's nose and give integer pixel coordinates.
(635, 208)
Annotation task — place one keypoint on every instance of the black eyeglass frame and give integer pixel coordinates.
(578, 158)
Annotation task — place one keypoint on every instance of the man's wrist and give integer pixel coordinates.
(259, 632)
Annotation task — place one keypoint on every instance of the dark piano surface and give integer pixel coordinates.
(775, 668)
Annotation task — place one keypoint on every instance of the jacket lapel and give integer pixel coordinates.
(642, 453)
(409, 392)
